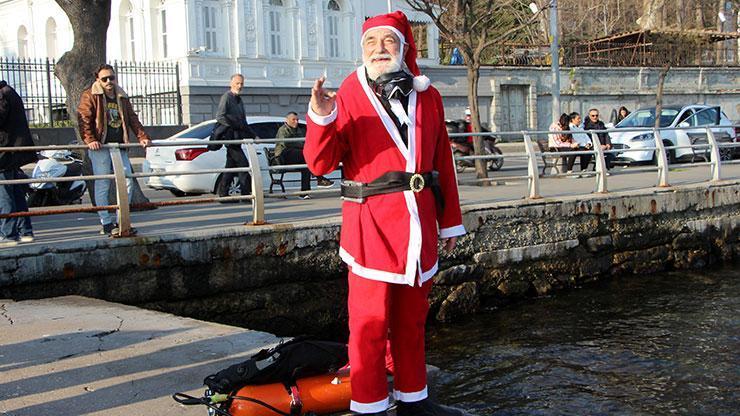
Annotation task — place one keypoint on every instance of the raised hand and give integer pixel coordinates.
(322, 100)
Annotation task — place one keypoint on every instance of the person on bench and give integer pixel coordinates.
(291, 152)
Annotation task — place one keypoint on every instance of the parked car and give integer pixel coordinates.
(694, 117)
(197, 157)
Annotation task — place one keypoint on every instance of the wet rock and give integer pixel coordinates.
(516, 288)
(599, 244)
(464, 300)
(542, 286)
(458, 274)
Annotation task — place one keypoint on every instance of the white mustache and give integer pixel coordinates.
(381, 56)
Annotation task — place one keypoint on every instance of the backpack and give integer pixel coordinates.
(284, 363)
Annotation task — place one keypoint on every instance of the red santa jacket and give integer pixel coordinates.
(391, 237)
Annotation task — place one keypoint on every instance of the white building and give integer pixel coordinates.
(274, 43)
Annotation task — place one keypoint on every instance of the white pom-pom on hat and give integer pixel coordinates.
(421, 83)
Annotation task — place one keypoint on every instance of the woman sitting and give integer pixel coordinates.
(563, 142)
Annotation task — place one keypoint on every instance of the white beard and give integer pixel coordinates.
(374, 71)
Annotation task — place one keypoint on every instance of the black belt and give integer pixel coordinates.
(391, 182)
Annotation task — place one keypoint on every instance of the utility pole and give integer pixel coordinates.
(554, 53)
(389, 6)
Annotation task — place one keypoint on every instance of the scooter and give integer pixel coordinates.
(463, 146)
(56, 164)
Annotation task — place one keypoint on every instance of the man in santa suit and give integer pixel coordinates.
(386, 125)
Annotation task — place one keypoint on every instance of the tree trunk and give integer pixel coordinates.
(75, 69)
(652, 14)
(473, 78)
(699, 14)
(659, 94)
(680, 14)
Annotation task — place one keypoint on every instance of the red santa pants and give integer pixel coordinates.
(380, 311)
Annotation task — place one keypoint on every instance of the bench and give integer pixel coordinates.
(276, 176)
(549, 162)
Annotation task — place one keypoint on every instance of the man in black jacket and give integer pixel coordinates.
(593, 123)
(14, 132)
(232, 125)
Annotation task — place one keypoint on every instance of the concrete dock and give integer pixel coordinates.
(79, 356)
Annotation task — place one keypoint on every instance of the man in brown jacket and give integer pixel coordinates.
(104, 116)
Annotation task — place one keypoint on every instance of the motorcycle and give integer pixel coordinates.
(463, 146)
(56, 164)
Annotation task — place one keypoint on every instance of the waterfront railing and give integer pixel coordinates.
(714, 153)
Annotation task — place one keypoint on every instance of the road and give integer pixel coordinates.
(56, 229)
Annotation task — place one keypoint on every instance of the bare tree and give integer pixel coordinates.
(474, 26)
(75, 69)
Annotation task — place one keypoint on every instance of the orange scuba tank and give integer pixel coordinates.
(322, 394)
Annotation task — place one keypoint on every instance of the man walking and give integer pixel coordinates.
(386, 125)
(232, 125)
(14, 132)
(291, 153)
(105, 115)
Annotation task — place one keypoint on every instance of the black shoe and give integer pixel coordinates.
(425, 408)
(324, 183)
(108, 228)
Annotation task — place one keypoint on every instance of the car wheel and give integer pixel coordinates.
(460, 165)
(493, 164)
(670, 154)
(725, 153)
(231, 189)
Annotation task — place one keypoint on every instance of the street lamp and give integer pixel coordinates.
(554, 53)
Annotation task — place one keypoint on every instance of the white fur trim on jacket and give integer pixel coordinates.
(421, 83)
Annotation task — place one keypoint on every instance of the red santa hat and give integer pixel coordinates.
(399, 24)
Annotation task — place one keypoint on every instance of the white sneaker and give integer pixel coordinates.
(7, 243)
(305, 197)
(27, 239)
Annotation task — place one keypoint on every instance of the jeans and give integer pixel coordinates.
(235, 158)
(13, 199)
(103, 165)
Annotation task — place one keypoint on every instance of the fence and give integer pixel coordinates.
(153, 88)
(536, 164)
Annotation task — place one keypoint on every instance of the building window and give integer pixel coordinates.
(51, 38)
(332, 29)
(131, 37)
(128, 29)
(209, 20)
(22, 42)
(420, 31)
(275, 28)
(163, 31)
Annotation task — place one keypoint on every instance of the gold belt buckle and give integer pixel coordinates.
(416, 183)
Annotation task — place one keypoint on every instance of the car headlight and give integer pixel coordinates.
(643, 137)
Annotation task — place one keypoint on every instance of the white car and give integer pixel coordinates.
(162, 159)
(694, 117)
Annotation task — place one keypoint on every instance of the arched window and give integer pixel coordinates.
(22, 42)
(275, 28)
(51, 38)
(128, 30)
(332, 29)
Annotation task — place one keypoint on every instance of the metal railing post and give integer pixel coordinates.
(660, 156)
(48, 93)
(715, 155)
(124, 214)
(533, 171)
(258, 202)
(600, 167)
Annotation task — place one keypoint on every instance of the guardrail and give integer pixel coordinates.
(532, 154)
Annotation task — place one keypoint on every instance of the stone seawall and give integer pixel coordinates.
(288, 279)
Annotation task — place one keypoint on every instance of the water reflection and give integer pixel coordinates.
(639, 345)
